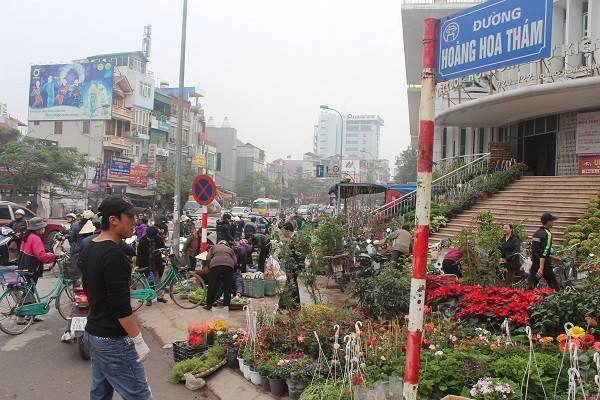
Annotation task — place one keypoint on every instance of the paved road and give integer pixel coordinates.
(36, 365)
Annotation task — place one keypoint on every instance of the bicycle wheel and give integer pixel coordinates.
(137, 282)
(65, 303)
(188, 290)
(10, 322)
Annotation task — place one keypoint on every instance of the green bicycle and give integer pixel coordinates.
(186, 289)
(20, 302)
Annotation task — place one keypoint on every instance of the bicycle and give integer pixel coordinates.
(566, 268)
(20, 302)
(187, 289)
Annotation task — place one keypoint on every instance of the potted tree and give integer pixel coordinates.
(227, 341)
(266, 366)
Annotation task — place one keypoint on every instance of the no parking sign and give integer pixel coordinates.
(204, 190)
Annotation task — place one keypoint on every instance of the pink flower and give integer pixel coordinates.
(432, 347)
(597, 347)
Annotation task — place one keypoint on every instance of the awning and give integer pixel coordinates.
(349, 189)
(139, 191)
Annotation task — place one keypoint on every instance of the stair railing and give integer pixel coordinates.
(447, 187)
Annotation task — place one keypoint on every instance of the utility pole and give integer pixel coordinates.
(178, 135)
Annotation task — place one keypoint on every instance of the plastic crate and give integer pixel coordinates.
(183, 351)
(270, 287)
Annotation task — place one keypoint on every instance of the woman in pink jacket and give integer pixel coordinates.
(33, 254)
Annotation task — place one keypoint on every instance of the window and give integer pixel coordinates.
(463, 141)
(145, 89)
(36, 122)
(5, 213)
(218, 162)
(86, 127)
(444, 142)
(58, 127)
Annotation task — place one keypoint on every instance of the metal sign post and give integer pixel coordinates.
(424, 166)
(204, 191)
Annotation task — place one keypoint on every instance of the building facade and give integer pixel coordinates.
(544, 113)
(225, 138)
(361, 136)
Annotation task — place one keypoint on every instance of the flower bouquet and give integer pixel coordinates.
(494, 389)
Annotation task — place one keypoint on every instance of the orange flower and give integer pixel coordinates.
(494, 346)
(562, 338)
(429, 327)
(562, 346)
(546, 340)
(300, 340)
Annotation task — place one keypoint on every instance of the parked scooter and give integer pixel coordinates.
(6, 237)
(76, 324)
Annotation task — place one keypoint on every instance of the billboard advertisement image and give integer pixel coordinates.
(120, 168)
(70, 91)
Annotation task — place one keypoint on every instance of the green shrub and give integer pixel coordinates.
(386, 294)
(550, 316)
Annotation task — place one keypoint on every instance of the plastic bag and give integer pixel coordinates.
(526, 266)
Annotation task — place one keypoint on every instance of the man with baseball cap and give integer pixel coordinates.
(112, 335)
(541, 246)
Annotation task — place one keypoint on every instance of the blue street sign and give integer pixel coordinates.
(493, 34)
(320, 171)
(204, 190)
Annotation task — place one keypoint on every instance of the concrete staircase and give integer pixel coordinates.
(526, 200)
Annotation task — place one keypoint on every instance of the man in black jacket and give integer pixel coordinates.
(224, 229)
(541, 246)
(262, 243)
(111, 334)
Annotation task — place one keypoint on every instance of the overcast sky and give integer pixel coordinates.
(265, 64)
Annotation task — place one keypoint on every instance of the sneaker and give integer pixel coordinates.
(161, 300)
(207, 307)
(37, 319)
(148, 302)
(22, 321)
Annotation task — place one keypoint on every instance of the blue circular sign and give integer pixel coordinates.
(204, 190)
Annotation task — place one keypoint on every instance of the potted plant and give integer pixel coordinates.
(278, 376)
(227, 341)
(266, 367)
(301, 373)
(248, 358)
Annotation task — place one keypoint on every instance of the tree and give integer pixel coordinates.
(25, 164)
(166, 184)
(256, 184)
(406, 166)
(8, 135)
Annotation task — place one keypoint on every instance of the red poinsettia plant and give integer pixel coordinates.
(493, 302)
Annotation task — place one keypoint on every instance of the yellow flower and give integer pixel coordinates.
(577, 332)
(220, 325)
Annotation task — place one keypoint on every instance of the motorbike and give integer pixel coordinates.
(9, 253)
(76, 324)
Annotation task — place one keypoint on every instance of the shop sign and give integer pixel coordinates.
(138, 175)
(198, 160)
(588, 133)
(589, 165)
(152, 154)
(119, 169)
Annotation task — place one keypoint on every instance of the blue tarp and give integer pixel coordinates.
(401, 187)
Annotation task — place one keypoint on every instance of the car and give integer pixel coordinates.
(304, 210)
(240, 211)
(7, 214)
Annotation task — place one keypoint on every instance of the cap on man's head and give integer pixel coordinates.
(116, 205)
(546, 217)
(19, 212)
(72, 215)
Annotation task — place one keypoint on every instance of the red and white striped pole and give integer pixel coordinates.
(204, 226)
(424, 165)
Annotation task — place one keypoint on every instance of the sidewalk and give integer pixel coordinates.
(168, 322)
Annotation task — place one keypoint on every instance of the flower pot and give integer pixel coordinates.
(232, 360)
(295, 388)
(240, 363)
(246, 370)
(278, 386)
(254, 377)
(264, 381)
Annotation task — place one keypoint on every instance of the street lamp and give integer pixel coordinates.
(324, 107)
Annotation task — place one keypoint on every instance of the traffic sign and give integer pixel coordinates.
(204, 190)
(493, 34)
(333, 171)
(320, 171)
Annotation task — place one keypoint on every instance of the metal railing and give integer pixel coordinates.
(447, 187)
(439, 1)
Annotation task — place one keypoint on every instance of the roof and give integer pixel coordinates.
(349, 189)
(138, 54)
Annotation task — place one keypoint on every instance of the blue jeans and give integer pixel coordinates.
(115, 367)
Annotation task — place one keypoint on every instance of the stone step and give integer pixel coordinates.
(533, 204)
(522, 214)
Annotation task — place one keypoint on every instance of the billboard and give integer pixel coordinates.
(120, 168)
(138, 175)
(492, 35)
(588, 133)
(70, 91)
(589, 165)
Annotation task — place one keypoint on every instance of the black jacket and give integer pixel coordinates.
(224, 232)
(510, 250)
(143, 252)
(541, 244)
(259, 240)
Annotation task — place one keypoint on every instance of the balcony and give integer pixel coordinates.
(122, 113)
(116, 143)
